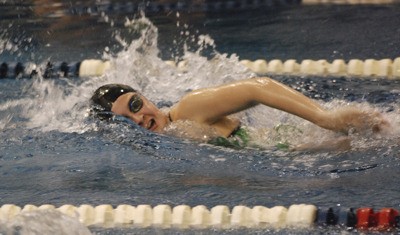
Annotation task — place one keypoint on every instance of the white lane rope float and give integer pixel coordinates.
(380, 68)
(298, 216)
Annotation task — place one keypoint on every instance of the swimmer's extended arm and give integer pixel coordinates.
(211, 104)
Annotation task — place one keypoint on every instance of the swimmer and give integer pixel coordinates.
(213, 106)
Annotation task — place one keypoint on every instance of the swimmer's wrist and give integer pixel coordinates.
(330, 120)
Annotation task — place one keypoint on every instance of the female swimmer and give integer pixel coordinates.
(212, 107)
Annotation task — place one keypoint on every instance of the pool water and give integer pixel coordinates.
(51, 152)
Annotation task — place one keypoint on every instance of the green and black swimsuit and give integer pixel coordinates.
(238, 139)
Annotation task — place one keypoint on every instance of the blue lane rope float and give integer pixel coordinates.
(383, 68)
(300, 216)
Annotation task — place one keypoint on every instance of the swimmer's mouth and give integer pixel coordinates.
(152, 125)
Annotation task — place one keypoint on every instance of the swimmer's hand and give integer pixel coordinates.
(352, 119)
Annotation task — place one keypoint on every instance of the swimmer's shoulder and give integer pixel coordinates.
(224, 126)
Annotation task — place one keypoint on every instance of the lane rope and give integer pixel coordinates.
(155, 7)
(386, 68)
(349, 2)
(383, 68)
(217, 6)
(298, 216)
(160, 7)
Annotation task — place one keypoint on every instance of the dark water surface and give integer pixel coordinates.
(293, 31)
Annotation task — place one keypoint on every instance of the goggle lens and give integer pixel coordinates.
(135, 104)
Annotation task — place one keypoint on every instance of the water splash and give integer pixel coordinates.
(139, 65)
(64, 105)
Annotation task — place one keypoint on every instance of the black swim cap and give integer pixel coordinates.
(104, 97)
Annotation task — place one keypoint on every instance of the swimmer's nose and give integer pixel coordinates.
(138, 119)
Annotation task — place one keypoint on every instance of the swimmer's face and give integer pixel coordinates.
(140, 110)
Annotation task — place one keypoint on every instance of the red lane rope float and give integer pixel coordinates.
(388, 218)
(366, 218)
(383, 220)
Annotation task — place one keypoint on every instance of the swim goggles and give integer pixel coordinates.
(135, 103)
